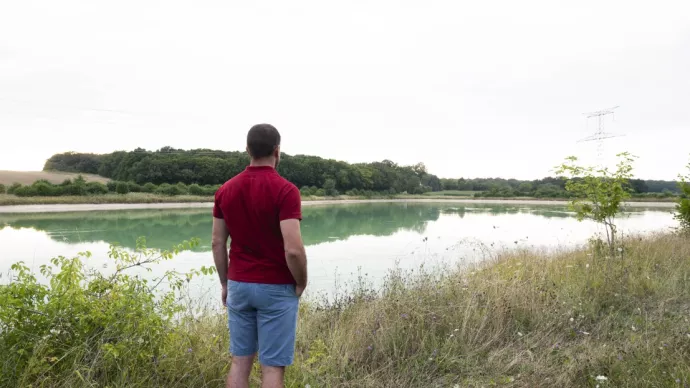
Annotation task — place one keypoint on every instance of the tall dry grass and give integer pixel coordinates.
(522, 319)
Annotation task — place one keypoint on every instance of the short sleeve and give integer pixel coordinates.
(217, 212)
(291, 206)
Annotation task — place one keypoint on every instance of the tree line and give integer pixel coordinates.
(212, 167)
(174, 171)
(80, 187)
(549, 187)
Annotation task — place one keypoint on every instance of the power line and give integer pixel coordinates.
(599, 135)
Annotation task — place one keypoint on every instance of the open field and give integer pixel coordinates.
(522, 319)
(28, 177)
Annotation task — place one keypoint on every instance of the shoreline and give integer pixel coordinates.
(62, 208)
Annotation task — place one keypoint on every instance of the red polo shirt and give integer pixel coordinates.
(252, 204)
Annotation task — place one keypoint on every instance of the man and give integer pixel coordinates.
(267, 269)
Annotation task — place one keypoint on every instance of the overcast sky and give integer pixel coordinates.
(470, 88)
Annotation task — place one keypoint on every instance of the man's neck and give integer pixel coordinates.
(266, 162)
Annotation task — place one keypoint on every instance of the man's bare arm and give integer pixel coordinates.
(219, 245)
(295, 255)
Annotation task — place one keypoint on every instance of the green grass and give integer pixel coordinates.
(12, 200)
(521, 319)
(9, 200)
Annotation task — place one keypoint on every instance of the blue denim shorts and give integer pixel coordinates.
(263, 318)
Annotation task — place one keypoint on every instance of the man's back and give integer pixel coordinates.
(267, 271)
(253, 204)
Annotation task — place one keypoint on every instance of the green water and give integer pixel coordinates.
(342, 240)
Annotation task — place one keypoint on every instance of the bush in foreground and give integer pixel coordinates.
(683, 206)
(523, 319)
(85, 326)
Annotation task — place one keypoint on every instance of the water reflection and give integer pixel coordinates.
(342, 239)
(163, 228)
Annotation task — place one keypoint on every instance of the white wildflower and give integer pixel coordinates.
(634, 328)
(452, 335)
(587, 265)
(520, 334)
(457, 330)
(585, 333)
(620, 249)
(602, 378)
(572, 319)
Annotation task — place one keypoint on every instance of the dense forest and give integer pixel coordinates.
(171, 169)
(210, 167)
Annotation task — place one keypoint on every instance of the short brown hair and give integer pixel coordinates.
(262, 140)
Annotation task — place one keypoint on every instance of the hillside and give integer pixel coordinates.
(28, 177)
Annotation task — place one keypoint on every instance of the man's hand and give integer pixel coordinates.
(295, 256)
(219, 246)
(299, 290)
(224, 294)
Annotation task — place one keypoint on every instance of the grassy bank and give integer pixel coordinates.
(522, 319)
(28, 177)
(142, 198)
(11, 200)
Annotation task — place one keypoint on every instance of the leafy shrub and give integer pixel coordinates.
(149, 188)
(211, 189)
(112, 186)
(320, 193)
(306, 191)
(134, 187)
(2, 189)
(195, 189)
(76, 187)
(329, 188)
(122, 188)
(25, 191)
(43, 188)
(112, 323)
(13, 188)
(168, 189)
(182, 188)
(599, 193)
(96, 188)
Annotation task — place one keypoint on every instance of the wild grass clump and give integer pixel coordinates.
(521, 319)
(524, 319)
